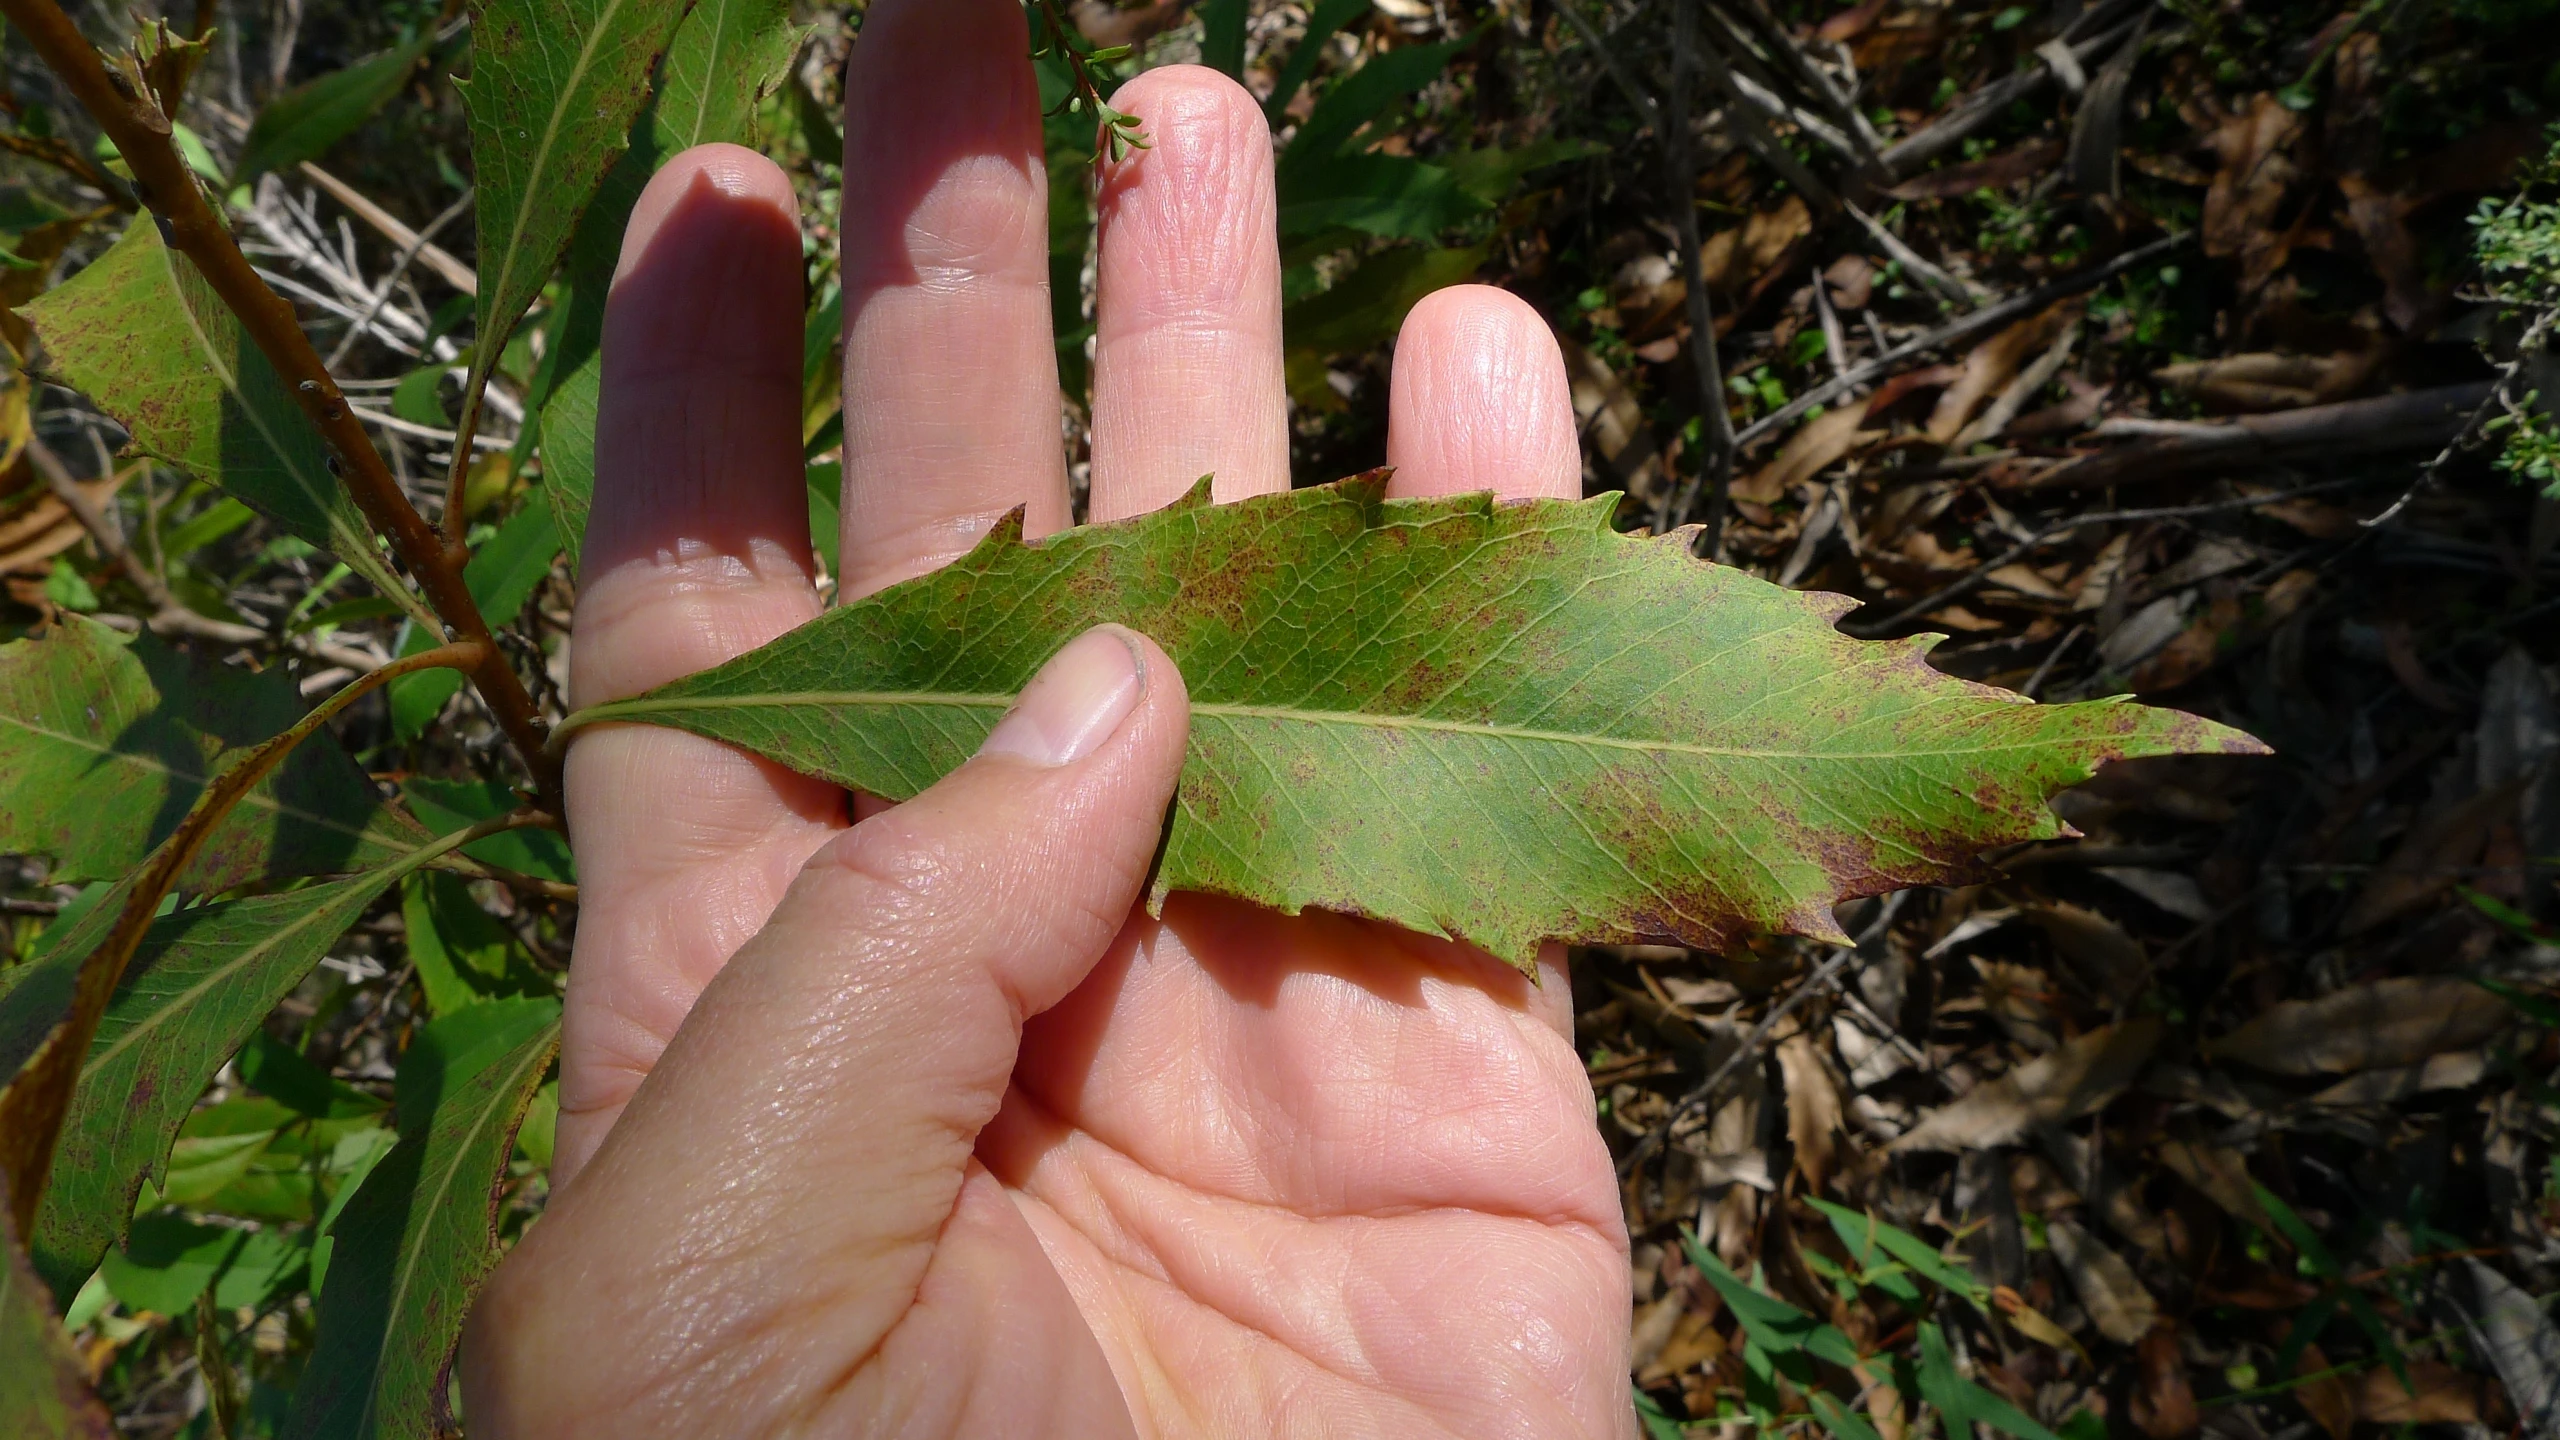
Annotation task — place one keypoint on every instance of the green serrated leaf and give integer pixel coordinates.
(302, 123)
(106, 739)
(197, 989)
(43, 1395)
(143, 335)
(1362, 96)
(1500, 723)
(410, 1251)
(554, 87)
(1395, 196)
(1323, 24)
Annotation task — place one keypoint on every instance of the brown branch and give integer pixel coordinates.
(53, 152)
(34, 1101)
(132, 119)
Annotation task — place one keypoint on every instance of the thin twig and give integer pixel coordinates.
(1975, 578)
(391, 279)
(125, 109)
(1715, 417)
(456, 274)
(1706, 1089)
(2498, 398)
(1962, 328)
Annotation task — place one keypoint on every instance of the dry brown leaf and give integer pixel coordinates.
(2327, 1399)
(2033, 1323)
(1813, 1107)
(2458, 1071)
(2445, 1396)
(1812, 450)
(2163, 1404)
(2194, 651)
(2113, 962)
(2248, 189)
(2430, 860)
(2115, 1298)
(2077, 1079)
(2363, 1027)
(2221, 1175)
(1990, 366)
(2269, 380)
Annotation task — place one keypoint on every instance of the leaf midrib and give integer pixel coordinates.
(534, 1055)
(886, 699)
(542, 152)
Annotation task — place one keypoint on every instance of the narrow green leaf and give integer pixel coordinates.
(1904, 1246)
(411, 1249)
(302, 123)
(143, 335)
(463, 954)
(2299, 1234)
(1501, 723)
(43, 1395)
(285, 1075)
(105, 740)
(1391, 195)
(1959, 1399)
(1775, 1326)
(725, 57)
(1364, 308)
(1840, 1420)
(1362, 96)
(1327, 21)
(1222, 36)
(554, 87)
(197, 989)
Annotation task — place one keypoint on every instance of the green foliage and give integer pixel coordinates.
(105, 741)
(304, 122)
(143, 335)
(1491, 675)
(416, 1241)
(2516, 240)
(1782, 1344)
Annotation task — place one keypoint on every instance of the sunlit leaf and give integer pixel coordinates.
(416, 1242)
(195, 991)
(143, 335)
(106, 739)
(303, 122)
(1502, 723)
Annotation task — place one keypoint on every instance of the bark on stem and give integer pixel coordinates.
(132, 119)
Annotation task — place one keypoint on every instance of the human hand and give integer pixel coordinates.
(914, 1126)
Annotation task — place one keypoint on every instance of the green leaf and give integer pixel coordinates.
(197, 989)
(171, 1260)
(1493, 176)
(143, 335)
(302, 123)
(411, 1250)
(1840, 1420)
(285, 1075)
(1502, 723)
(1658, 1424)
(1774, 1325)
(1902, 1245)
(43, 1395)
(554, 87)
(725, 57)
(1364, 308)
(464, 956)
(1323, 25)
(1391, 195)
(1222, 36)
(448, 805)
(1959, 1399)
(569, 454)
(105, 740)
(1362, 96)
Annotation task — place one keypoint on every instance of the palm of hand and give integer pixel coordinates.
(1279, 1175)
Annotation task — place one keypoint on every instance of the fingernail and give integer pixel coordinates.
(1075, 703)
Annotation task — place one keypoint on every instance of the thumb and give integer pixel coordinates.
(788, 1166)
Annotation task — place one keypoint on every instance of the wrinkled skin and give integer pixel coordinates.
(919, 1126)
